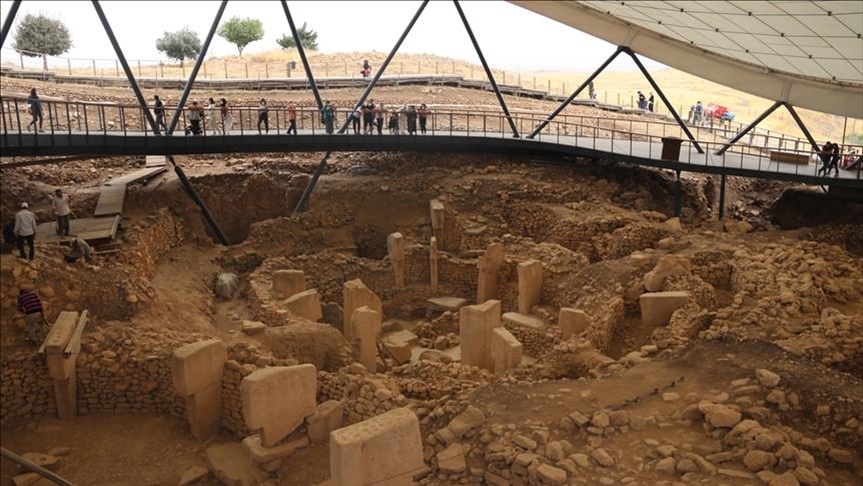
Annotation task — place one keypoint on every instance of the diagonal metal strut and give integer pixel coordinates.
(302, 52)
(10, 18)
(303, 203)
(488, 72)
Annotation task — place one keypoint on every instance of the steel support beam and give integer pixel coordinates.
(803, 127)
(126, 68)
(656, 88)
(190, 190)
(488, 72)
(10, 18)
(721, 196)
(575, 93)
(386, 63)
(748, 128)
(678, 189)
(303, 203)
(302, 52)
(188, 88)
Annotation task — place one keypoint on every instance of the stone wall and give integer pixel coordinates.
(26, 390)
(150, 239)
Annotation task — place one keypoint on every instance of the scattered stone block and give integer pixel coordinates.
(572, 322)
(401, 351)
(306, 304)
(367, 326)
(355, 295)
(668, 266)
(521, 320)
(192, 474)
(529, 285)
(403, 336)
(551, 475)
(657, 307)
(385, 450)
(27, 479)
(767, 378)
(253, 327)
(260, 454)
(396, 250)
(451, 460)
(277, 400)
(452, 304)
(489, 270)
(466, 421)
(328, 417)
(231, 464)
(42, 460)
(289, 282)
(476, 323)
(506, 350)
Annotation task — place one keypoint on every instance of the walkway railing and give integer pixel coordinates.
(628, 137)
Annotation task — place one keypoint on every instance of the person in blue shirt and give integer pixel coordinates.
(35, 105)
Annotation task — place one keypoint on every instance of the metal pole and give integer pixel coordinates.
(190, 189)
(307, 193)
(487, 69)
(575, 93)
(844, 130)
(663, 98)
(10, 18)
(302, 53)
(386, 63)
(188, 88)
(722, 196)
(802, 126)
(678, 187)
(126, 69)
(748, 128)
(33, 467)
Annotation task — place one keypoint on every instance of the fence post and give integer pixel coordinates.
(435, 67)
(162, 69)
(504, 77)
(44, 62)
(419, 67)
(69, 64)
(267, 70)
(183, 67)
(327, 69)
(549, 86)
(346, 68)
(226, 69)
(94, 68)
(22, 59)
(205, 69)
(139, 68)
(247, 69)
(534, 82)
(288, 68)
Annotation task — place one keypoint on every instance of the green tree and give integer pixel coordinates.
(242, 32)
(180, 45)
(307, 36)
(38, 34)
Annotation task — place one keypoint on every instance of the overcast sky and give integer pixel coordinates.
(510, 37)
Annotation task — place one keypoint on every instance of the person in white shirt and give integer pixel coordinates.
(79, 248)
(60, 206)
(25, 229)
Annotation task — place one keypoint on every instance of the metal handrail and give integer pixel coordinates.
(31, 466)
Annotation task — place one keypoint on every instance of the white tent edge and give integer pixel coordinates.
(837, 98)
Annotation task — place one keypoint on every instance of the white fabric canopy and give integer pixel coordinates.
(808, 53)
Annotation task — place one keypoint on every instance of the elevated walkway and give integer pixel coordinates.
(113, 192)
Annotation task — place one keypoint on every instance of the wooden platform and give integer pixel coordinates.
(113, 192)
(90, 229)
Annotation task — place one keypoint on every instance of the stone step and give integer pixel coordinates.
(522, 320)
(452, 304)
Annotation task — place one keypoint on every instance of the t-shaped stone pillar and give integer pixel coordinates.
(61, 348)
(306, 304)
(433, 262)
(489, 269)
(437, 214)
(367, 326)
(289, 282)
(476, 323)
(529, 285)
(278, 399)
(197, 373)
(356, 295)
(396, 249)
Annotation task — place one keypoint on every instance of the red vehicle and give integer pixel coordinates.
(718, 112)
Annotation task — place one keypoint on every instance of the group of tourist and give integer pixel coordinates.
(830, 154)
(20, 231)
(644, 102)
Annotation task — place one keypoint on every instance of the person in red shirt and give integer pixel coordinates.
(31, 305)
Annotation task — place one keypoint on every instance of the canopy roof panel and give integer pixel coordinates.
(809, 53)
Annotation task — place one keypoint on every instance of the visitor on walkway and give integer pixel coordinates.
(196, 113)
(25, 230)
(211, 118)
(31, 305)
(159, 111)
(292, 118)
(699, 113)
(34, 106)
(825, 155)
(642, 101)
(369, 118)
(355, 118)
(79, 248)
(10, 240)
(423, 116)
(394, 122)
(591, 92)
(227, 117)
(263, 115)
(380, 114)
(60, 206)
(412, 120)
(834, 160)
(650, 103)
(328, 116)
(367, 69)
